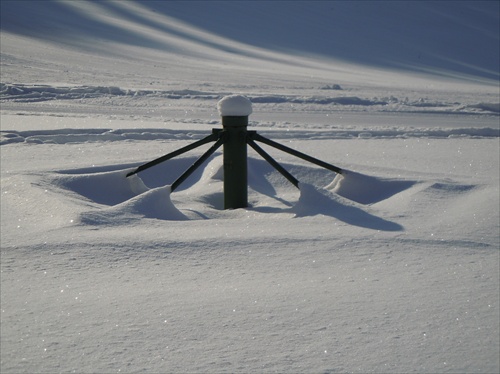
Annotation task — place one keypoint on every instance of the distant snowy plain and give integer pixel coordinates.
(392, 267)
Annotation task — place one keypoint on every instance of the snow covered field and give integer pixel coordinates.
(392, 267)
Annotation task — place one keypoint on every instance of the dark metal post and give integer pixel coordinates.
(235, 162)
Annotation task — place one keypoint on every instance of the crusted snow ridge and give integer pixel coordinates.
(314, 99)
(79, 136)
(33, 93)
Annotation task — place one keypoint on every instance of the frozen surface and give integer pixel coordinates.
(391, 267)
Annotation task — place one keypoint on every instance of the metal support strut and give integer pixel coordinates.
(196, 164)
(212, 137)
(296, 153)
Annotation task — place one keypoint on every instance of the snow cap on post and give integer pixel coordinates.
(234, 106)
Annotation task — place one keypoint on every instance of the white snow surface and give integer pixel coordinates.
(390, 267)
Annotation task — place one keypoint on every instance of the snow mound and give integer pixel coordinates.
(234, 105)
(108, 188)
(366, 189)
(155, 203)
(126, 196)
(314, 201)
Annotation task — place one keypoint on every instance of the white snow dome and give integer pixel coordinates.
(234, 105)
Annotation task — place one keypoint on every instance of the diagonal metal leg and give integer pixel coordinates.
(211, 138)
(293, 152)
(273, 162)
(196, 164)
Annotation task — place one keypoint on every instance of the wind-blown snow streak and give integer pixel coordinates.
(416, 36)
(20, 93)
(78, 136)
(366, 189)
(314, 201)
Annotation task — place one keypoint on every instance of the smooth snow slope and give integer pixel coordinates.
(392, 267)
(439, 37)
(433, 36)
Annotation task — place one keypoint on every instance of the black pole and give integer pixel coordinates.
(235, 162)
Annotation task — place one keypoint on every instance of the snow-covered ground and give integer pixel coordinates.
(391, 267)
